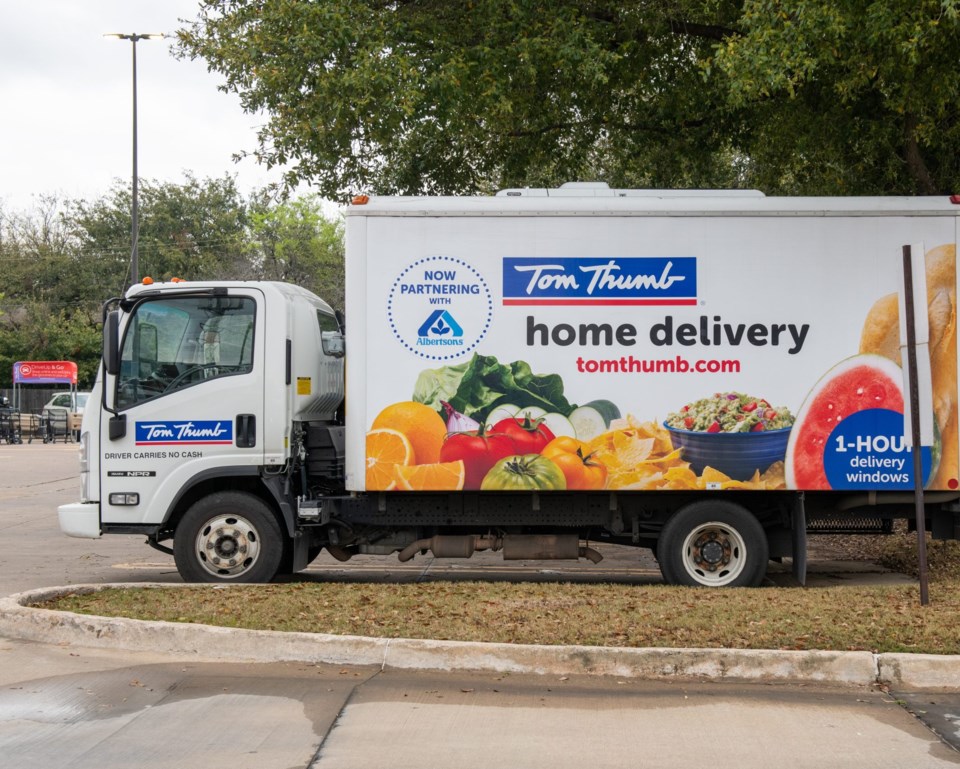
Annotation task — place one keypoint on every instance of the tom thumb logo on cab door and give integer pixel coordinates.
(185, 433)
(599, 281)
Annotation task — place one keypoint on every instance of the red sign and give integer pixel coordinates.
(45, 372)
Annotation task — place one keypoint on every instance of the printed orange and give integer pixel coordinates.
(438, 476)
(386, 450)
(424, 428)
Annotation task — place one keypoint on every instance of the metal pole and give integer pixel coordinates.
(134, 213)
(920, 512)
(134, 38)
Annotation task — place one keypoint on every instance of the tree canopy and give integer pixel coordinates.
(429, 96)
(62, 260)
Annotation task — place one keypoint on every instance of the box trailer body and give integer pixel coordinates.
(728, 366)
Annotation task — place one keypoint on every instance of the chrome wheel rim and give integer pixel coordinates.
(227, 546)
(714, 554)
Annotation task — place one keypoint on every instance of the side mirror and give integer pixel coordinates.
(332, 343)
(111, 343)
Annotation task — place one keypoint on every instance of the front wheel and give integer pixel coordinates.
(713, 544)
(229, 536)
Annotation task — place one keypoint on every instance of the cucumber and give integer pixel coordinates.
(503, 411)
(588, 422)
(608, 409)
(559, 425)
(530, 411)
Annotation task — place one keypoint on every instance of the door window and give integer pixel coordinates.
(174, 343)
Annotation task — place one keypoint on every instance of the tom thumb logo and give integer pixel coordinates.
(610, 281)
(185, 432)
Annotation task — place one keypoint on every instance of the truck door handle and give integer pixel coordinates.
(246, 431)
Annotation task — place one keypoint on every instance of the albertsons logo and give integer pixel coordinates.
(600, 281)
(439, 307)
(440, 327)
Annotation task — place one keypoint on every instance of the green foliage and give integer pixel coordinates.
(60, 262)
(426, 96)
(35, 331)
(195, 230)
(855, 97)
(293, 242)
(438, 97)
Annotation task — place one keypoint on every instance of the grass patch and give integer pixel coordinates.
(899, 553)
(878, 619)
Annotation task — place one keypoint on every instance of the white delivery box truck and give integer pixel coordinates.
(706, 375)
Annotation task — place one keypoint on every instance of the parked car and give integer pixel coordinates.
(65, 403)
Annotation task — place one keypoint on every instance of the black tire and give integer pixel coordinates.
(225, 526)
(713, 544)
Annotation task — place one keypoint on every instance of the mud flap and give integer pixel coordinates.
(301, 548)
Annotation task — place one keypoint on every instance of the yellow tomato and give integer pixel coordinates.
(565, 444)
(582, 472)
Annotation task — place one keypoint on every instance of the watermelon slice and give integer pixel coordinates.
(856, 384)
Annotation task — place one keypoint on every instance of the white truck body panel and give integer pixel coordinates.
(779, 287)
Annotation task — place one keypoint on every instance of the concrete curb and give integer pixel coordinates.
(901, 671)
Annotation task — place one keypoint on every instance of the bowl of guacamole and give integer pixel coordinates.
(735, 433)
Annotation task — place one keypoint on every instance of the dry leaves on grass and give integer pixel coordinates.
(879, 619)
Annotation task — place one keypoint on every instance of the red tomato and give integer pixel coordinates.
(529, 435)
(479, 451)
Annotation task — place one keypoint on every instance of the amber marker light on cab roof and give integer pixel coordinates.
(955, 199)
(361, 200)
(147, 281)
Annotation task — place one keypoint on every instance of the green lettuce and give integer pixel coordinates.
(477, 387)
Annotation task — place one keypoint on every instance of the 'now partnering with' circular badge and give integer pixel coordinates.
(440, 308)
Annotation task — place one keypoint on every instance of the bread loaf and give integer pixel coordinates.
(881, 335)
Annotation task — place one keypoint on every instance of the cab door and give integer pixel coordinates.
(190, 393)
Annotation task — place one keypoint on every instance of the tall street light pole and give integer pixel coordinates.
(134, 38)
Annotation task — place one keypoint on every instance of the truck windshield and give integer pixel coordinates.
(174, 343)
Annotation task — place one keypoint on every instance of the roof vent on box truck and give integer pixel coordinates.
(602, 190)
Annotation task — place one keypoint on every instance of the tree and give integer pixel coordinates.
(194, 230)
(853, 97)
(62, 260)
(49, 290)
(39, 331)
(294, 242)
(428, 96)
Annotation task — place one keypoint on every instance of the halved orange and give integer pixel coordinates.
(386, 449)
(438, 476)
(423, 426)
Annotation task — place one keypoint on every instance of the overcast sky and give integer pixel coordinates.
(66, 101)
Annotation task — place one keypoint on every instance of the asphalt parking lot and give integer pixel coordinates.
(68, 704)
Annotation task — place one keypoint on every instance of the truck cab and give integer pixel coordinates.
(205, 396)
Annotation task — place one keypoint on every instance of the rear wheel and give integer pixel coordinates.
(230, 536)
(713, 544)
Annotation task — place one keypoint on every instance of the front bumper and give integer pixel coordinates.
(80, 519)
